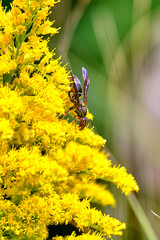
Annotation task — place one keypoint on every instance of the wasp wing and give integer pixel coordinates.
(76, 89)
(86, 85)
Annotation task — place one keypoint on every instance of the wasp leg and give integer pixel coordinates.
(63, 115)
(91, 122)
(71, 97)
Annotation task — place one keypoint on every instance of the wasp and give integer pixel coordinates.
(75, 93)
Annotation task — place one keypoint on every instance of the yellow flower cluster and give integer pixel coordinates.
(49, 167)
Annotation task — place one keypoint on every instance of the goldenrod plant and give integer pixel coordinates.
(48, 166)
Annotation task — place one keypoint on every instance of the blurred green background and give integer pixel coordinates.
(119, 44)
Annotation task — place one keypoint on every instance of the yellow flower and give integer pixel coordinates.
(11, 104)
(90, 190)
(88, 236)
(49, 167)
(6, 131)
(7, 64)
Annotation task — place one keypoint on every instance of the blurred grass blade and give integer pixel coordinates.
(69, 28)
(111, 48)
(141, 216)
